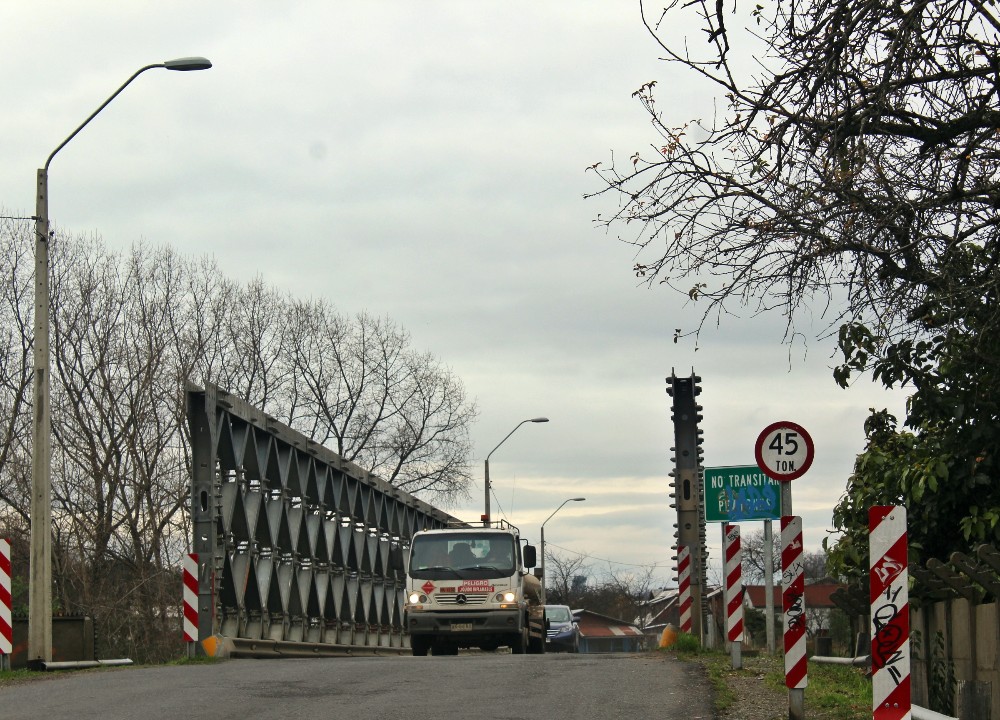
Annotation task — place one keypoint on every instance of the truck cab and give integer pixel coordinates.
(470, 586)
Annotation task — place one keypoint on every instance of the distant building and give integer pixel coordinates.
(819, 606)
(660, 610)
(604, 634)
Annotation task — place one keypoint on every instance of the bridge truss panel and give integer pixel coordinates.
(294, 543)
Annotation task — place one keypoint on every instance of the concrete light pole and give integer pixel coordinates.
(40, 578)
(486, 515)
(543, 539)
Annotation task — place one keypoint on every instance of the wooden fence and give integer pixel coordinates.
(955, 633)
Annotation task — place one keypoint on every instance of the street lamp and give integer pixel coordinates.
(40, 579)
(543, 539)
(486, 515)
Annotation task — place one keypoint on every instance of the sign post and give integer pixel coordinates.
(733, 571)
(684, 586)
(785, 451)
(738, 493)
(6, 624)
(794, 613)
(890, 612)
(190, 597)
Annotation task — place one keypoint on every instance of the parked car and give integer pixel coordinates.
(563, 633)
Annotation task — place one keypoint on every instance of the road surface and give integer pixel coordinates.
(475, 685)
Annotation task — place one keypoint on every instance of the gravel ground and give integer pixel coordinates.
(753, 699)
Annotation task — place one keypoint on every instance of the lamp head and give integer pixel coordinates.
(578, 499)
(539, 419)
(188, 63)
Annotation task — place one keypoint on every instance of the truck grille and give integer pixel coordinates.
(452, 598)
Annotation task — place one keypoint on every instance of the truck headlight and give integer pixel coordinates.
(506, 597)
(417, 598)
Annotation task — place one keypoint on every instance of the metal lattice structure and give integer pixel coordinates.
(295, 545)
(687, 492)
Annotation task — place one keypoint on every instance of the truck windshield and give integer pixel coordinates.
(462, 555)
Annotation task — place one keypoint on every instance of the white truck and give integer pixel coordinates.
(470, 586)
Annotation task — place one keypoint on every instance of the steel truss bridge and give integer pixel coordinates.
(298, 550)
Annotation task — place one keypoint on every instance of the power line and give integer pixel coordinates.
(588, 556)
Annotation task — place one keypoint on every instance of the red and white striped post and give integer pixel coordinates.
(890, 612)
(733, 552)
(684, 586)
(6, 625)
(793, 605)
(191, 601)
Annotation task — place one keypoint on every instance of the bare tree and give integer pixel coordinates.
(754, 556)
(361, 387)
(16, 365)
(128, 331)
(256, 345)
(629, 590)
(852, 160)
(566, 580)
(116, 483)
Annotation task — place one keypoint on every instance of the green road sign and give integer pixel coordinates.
(741, 492)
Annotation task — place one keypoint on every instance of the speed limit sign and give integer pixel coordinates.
(784, 451)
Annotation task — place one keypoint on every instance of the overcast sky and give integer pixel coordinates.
(426, 161)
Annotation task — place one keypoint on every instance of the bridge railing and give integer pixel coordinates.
(298, 549)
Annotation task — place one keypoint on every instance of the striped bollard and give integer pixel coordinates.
(793, 605)
(733, 553)
(6, 626)
(684, 586)
(191, 601)
(890, 612)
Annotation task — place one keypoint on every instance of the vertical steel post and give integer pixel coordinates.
(769, 585)
(204, 490)
(6, 610)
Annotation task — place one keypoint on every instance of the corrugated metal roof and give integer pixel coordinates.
(817, 596)
(594, 625)
(596, 631)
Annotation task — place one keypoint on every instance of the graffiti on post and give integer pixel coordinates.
(888, 635)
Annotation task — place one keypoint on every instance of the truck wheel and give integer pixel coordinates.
(419, 645)
(519, 643)
(536, 646)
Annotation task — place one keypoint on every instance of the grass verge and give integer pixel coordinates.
(835, 692)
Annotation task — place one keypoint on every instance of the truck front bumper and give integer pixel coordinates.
(464, 624)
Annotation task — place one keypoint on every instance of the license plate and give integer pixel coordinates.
(461, 627)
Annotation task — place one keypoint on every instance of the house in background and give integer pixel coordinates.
(660, 610)
(818, 604)
(821, 614)
(604, 634)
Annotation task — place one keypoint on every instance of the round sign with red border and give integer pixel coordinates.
(784, 451)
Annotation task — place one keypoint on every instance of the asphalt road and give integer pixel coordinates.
(493, 686)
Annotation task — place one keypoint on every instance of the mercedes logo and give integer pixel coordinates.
(461, 599)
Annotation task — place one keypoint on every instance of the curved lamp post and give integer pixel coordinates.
(486, 515)
(543, 539)
(40, 579)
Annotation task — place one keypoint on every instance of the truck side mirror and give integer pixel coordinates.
(529, 556)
